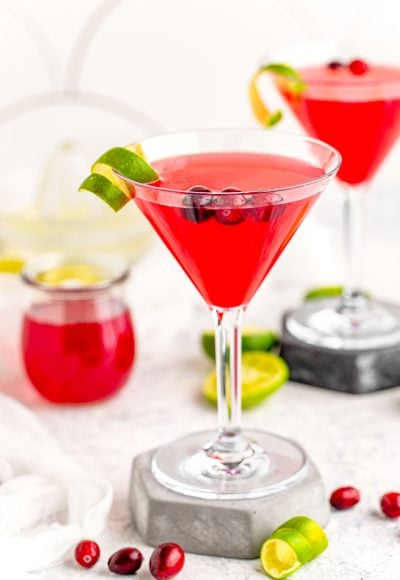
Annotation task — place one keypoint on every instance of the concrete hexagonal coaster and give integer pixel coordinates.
(228, 528)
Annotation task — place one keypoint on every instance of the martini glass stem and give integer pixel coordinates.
(353, 300)
(231, 447)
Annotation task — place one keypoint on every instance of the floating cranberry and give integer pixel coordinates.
(334, 65)
(345, 498)
(231, 216)
(87, 553)
(271, 207)
(125, 561)
(194, 208)
(167, 561)
(358, 67)
(390, 504)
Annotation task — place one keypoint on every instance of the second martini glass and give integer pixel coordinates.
(227, 204)
(355, 106)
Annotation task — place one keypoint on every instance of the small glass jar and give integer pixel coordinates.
(78, 341)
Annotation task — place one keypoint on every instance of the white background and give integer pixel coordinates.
(181, 64)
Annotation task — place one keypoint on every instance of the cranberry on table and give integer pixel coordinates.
(390, 504)
(358, 67)
(167, 561)
(194, 210)
(125, 561)
(87, 553)
(345, 498)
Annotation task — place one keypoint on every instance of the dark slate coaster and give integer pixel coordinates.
(351, 371)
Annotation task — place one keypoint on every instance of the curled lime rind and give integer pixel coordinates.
(110, 171)
(105, 190)
(128, 164)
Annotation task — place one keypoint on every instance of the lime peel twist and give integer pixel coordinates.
(294, 82)
(294, 543)
(108, 173)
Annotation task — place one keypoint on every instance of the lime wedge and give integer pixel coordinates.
(252, 339)
(106, 180)
(293, 544)
(263, 373)
(293, 82)
(10, 265)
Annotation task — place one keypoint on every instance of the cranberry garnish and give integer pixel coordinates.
(358, 67)
(271, 208)
(230, 216)
(167, 561)
(345, 498)
(334, 65)
(126, 561)
(390, 504)
(87, 553)
(194, 209)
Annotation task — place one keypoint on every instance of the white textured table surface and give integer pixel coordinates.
(353, 440)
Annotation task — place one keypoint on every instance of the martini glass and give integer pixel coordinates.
(357, 110)
(227, 204)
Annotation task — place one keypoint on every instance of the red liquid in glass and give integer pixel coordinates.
(75, 354)
(358, 115)
(228, 262)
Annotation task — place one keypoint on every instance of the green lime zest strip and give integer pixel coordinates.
(274, 119)
(297, 541)
(296, 83)
(311, 530)
(328, 292)
(105, 190)
(112, 168)
(128, 164)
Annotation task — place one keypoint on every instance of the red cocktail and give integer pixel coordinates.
(357, 114)
(78, 341)
(228, 242)
(354, 105)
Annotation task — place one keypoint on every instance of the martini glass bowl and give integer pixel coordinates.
(226, 205)
(355, 108)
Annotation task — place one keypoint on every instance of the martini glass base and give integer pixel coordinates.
(326, 323)
(231, 528)
(186, 466)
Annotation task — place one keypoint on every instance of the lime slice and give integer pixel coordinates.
(293, 82)
(106, 180)
(293, 544)
(263, 373)
(311, 530)
(252, 339)
(10, 265)
(72, 276)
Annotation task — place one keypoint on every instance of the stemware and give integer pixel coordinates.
(226, 205)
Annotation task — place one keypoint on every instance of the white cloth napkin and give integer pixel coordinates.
(47, 502)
